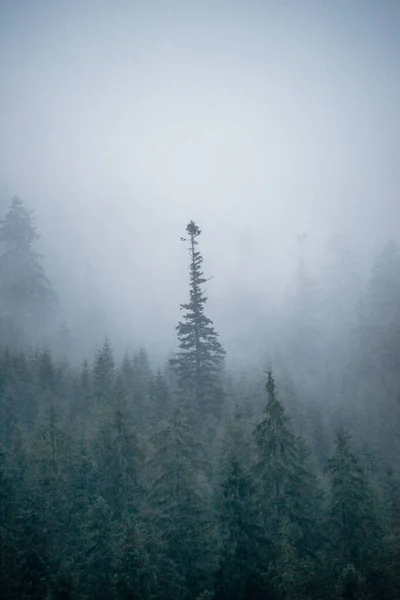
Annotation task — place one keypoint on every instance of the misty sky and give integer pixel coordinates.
(121, 121)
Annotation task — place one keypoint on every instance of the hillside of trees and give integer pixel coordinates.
(199, 480)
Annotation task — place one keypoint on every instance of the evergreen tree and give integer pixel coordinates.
(180, 503)
(237, 577)
(104, 374)
(83, 393)
(135, 575)
(8, 541)
(160, 397)
(118, 456)
(26, 294)
(199, 359)
(277, 456)
(356, 532)
(288, 499)
(99, 533)
(140, 388)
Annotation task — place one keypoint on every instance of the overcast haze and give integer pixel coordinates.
(121, 121)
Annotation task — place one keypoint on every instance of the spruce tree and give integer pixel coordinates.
(26, 294)
(277, 455)
(237, 577)
(98, 533)
(104, 374)
(288, 498)
(118, 456)
(199, 360)
(134, 573)
(8, 538)
(179, 499)
(355, 528)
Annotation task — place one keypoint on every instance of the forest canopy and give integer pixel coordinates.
(195, 479)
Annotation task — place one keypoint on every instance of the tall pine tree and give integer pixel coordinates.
(199, 360)
(355, 528)
(240, 532)
(179, 501)
(288, 499)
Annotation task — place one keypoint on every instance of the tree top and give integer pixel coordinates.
(192, 229)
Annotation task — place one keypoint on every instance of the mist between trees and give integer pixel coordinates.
(199, 479)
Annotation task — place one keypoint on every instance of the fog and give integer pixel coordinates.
(260, 120)
(169, 434)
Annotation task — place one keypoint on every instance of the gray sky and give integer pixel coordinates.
(259, 119)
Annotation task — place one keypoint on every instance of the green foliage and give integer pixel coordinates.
(118, 456)
(98, 542)
(199, 360)
(356, 535)
(108, 480)
(288, 500)
(237, 576)
(104, 374)
(180, 500)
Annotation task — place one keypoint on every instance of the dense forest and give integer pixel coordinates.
(199, 480)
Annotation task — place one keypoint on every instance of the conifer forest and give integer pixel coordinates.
(199, 300)
(193, 480)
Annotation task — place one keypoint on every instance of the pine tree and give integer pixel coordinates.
(26, 294)
(82, 393)
(288, 497)
(118, 456)
(180, 504)
(237, 577)
(356, 532)
(199, 360)
(135, 575)
(277, 455)
(8, 538)
(140, 388)
(104, 374)
(99, 547)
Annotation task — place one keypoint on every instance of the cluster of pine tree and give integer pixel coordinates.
(121, 482)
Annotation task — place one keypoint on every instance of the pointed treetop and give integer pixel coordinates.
(193, 229)
(18, 224)
(193, 232)
(270, 385)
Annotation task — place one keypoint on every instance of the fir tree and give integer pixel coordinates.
(237, 577)
(8, 538)
(288, 498)
(356, 532)
(179, 500)
(82, 402)
(140, 388)
(97, 566)
(118, 456)
(26, 294)
(135, 575)
(199, 359)
(104, 374)
(277, 455)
